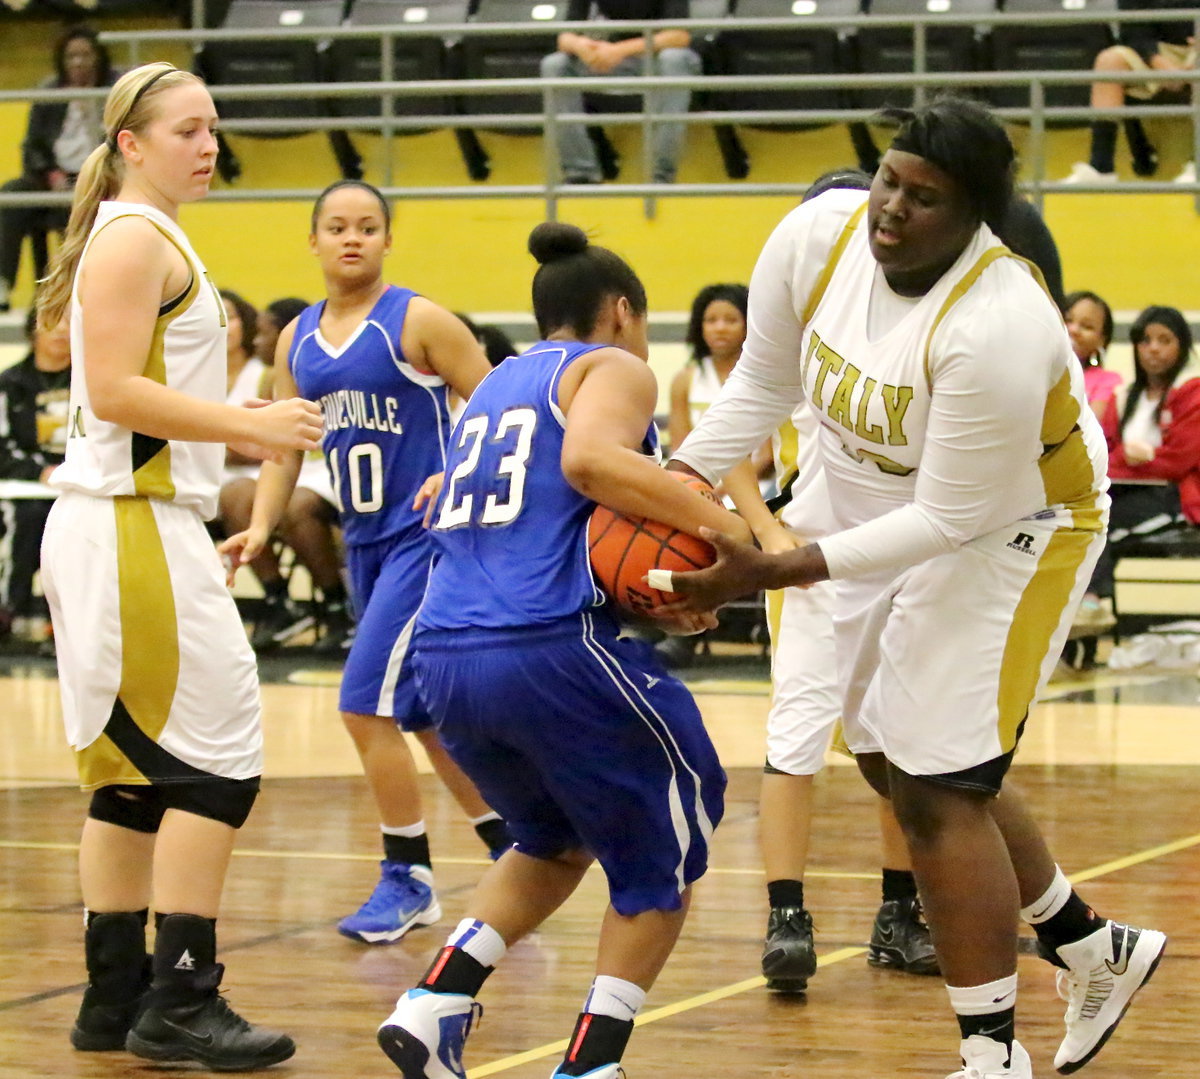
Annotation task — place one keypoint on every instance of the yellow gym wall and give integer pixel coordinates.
(470, 254)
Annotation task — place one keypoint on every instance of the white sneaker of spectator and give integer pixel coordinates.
(1187, 175)
(1083, 173)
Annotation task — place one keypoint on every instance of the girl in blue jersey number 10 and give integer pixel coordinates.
(379, 360)
(579, 737)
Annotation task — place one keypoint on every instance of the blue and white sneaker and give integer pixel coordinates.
(605, 1071)
(403, 899)
(425, 1035)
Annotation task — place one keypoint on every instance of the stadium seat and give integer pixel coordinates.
(518, 56)
(802, 51)
(413, 59)
(889, 49)
(1017, 47)
(267, 60)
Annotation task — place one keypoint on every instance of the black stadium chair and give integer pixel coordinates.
(1050, 48)
(267, 60)
(518, 56)
(884, 50)
(413, 59)
(801, 51)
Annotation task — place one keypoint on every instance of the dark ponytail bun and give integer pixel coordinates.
(554, 240)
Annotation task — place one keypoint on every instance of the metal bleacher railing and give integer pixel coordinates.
(133, 47)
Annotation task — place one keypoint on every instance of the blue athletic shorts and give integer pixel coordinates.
(580, 739)
(387, 583)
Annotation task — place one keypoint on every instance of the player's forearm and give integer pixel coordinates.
(629, 483)
(150, 408)
(276, 482)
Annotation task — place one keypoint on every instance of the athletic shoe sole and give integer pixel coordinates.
(426, 916)
(887, 959)
(157, 1051)
(1074, 1065)
(405, 1050)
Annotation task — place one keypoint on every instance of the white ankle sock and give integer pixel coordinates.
(479, 940)
(614, 997)
(997, 996)
(1050, 902)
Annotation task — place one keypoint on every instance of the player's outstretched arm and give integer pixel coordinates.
(741, 569)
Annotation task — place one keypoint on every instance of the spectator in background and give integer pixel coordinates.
(1090, 323)
(1145, 46)
(33, 438)
(58, 138)
(1153, 431)
(271, 322)
(580, 55)
(307, 523)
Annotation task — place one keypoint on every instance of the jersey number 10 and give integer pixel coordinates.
(364, 497)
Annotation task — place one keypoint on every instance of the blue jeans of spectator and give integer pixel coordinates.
(577, 155)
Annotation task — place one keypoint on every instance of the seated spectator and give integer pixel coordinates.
(33, 439)
(57, 139)
(580, 55)
(1090, 324)
(1153, 431)
(1146, 46)
(307, 527)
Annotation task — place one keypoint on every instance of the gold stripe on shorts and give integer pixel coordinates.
(1037, 616)
(149, 642)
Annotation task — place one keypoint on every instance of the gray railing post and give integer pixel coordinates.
(650, 203)
(551, 163)
(1037, 139)
(920, 61)
(387, 72)
(1195, 92)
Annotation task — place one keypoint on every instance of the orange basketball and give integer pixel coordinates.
(624, 549)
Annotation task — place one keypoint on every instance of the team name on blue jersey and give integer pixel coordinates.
(354, 408)
(509, 530)
(386, 424)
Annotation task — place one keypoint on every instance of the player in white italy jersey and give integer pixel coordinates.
(967, 478)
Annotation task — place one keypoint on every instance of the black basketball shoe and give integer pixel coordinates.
(900, 939)
(788, 958)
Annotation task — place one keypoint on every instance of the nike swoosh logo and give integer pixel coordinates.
(1120, 955)
(191, 1036)
(1001, 999)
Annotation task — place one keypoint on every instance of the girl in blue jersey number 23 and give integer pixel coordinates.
(580, 738)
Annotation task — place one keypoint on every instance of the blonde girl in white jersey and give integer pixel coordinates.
(160, 694)
(966, 473)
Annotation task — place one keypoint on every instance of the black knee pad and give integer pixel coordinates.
(128, 805)
(228, 801)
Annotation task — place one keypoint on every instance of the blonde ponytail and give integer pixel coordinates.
(129, 107)
(99, 179)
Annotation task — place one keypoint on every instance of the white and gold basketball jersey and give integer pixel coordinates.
(187, 353)
(869, 382)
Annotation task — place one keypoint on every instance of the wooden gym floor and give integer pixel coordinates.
(1110, 764)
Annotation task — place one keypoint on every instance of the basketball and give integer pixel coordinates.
(624, 549)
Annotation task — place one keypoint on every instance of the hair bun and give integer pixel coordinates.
(553, 240)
